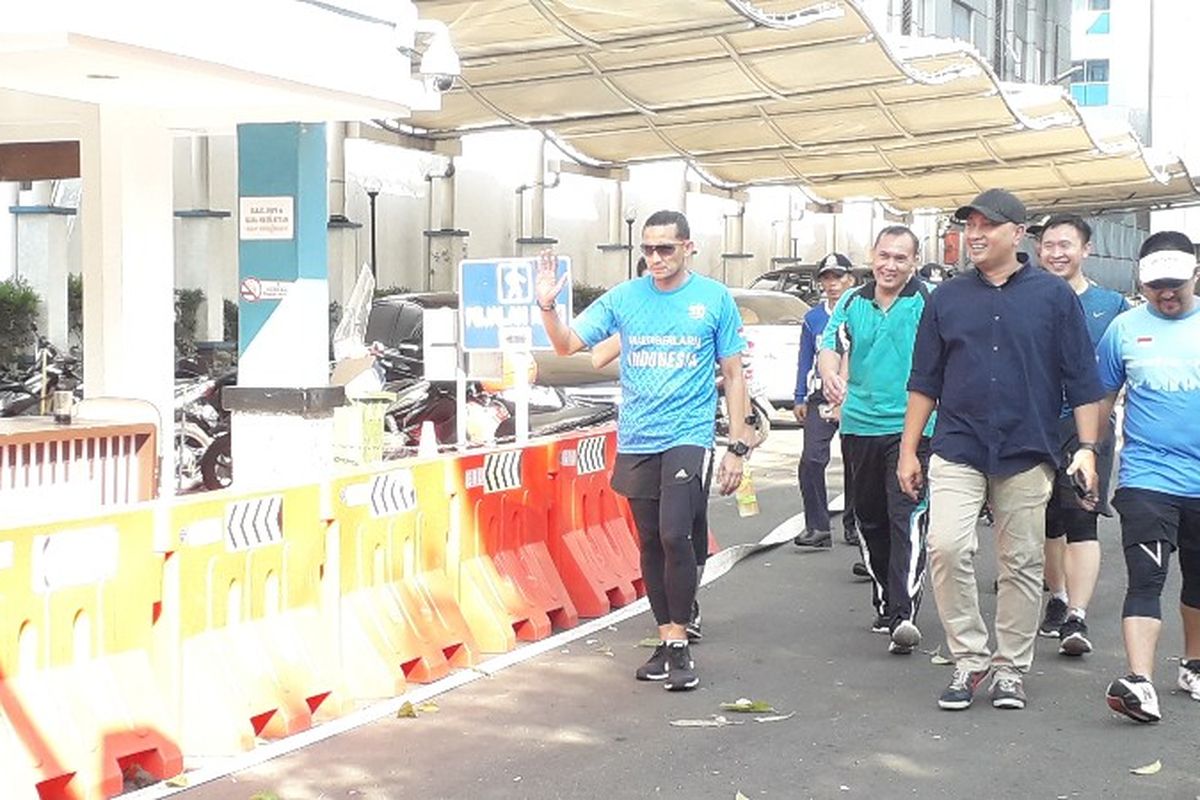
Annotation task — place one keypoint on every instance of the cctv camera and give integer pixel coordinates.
(439, 83)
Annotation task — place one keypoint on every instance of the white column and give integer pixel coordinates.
(8, 229)
(42, 261)
(126, 222)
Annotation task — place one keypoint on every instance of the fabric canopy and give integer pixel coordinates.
(799, 92)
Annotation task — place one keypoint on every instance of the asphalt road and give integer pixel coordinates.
(785, 626)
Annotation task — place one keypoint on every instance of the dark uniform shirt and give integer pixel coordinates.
(999, 360)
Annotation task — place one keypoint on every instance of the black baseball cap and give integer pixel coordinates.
(834, 262)
(995, 204)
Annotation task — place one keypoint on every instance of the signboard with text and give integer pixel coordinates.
(498, 305)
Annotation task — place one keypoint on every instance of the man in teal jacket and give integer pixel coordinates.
(877, 325)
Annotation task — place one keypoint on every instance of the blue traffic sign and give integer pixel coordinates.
(498, 304)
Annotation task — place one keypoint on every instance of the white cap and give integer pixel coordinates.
(1174, 265)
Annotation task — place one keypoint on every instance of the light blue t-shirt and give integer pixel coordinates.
(1100, 307)
(1158, 360)
(670, 342)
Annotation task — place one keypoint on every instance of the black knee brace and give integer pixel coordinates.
(1146, 564)
(1189, 565)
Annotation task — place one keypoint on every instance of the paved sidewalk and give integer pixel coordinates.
(785, 626)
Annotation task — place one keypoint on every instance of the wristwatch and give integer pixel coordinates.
(739, 448)
(1087, 446)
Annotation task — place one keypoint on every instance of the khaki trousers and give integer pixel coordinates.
(956, 494)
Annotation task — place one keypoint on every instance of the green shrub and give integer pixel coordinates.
(75, 304)
(229, 327)
(583, 294)
(187, 312)
(18, 319)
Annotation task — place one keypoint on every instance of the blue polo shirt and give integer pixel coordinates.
(999, 360)
(808, 379)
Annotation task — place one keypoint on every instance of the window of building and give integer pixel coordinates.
(1098, 5)
(1089, 82)
(960, 21)
(1099, 26)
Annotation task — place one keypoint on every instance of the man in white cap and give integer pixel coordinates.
(1154, 352)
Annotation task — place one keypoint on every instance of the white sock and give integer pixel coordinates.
(1060, 595)
(1081, 613)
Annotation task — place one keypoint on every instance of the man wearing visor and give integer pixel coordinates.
(1154, 352)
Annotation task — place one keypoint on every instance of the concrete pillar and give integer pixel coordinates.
(43, 262)
(126, 226)
(9, 191)
(445, 242)
(282, 406)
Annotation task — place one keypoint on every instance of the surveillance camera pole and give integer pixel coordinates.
(630, 216)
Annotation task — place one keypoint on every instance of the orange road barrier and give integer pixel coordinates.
(571, 477)
(508, 585)
(400, 620)
(243, 598)
(79, 697)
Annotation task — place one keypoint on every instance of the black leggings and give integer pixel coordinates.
(665, 529)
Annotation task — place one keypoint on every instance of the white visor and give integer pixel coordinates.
(1172, 265)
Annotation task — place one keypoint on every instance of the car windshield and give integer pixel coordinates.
(775, 308)
(767, 281)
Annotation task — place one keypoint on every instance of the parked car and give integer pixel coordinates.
(799, 280)
(772, 322)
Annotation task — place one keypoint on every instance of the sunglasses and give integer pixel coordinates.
(1165, 284)
(663, 250)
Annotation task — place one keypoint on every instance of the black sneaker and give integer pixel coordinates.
(818, 539)
(859, 570)
(1007, 691)
(961, 690)
(850, 536)
(880, 625)
(1134, 696)
(1072, 637)
(1189, 676)
(693, 627)
(681, 670)
(1056, 615)
(655, 669)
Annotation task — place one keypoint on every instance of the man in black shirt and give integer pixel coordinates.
(997, 350)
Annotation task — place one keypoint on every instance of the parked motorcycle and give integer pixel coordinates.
(27, 390)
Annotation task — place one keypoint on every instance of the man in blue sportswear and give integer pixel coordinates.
(835, 278)
(1154, 352)
(1072, 548)
(674, 325)
(875, 325)
(997, 349)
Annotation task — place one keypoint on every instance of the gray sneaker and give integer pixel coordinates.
(655, 668)
(1007, 690)
(905, 636)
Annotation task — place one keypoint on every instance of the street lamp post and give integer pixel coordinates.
(372, 194)
(630, 216)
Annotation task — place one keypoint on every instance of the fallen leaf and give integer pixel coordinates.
(937, 659)
(716, 721)
(406, 711)
(650, 642)
(178, 782)
(265, 796)
(775, 717)
(740, 796)
(744, 705)
(429, 707)
(1149, 769)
